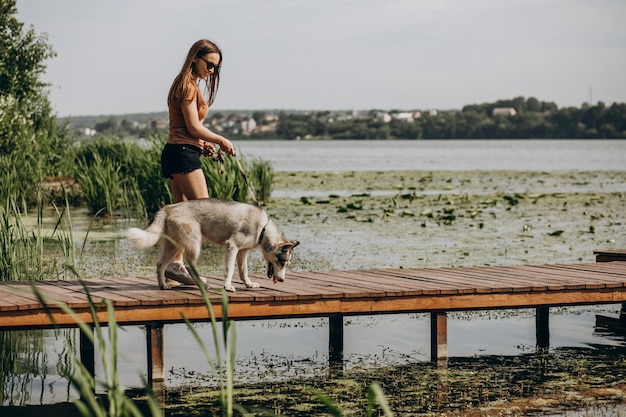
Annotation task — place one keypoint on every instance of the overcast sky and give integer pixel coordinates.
(120, 56)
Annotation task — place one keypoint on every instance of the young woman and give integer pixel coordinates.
(188, 137)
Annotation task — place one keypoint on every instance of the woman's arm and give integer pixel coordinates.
(198, 130)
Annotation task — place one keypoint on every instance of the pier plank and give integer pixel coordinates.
(321, 293)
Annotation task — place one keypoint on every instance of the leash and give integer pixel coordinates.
(245, 179)
(217, 156)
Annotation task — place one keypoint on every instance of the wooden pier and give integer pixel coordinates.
(332, 294)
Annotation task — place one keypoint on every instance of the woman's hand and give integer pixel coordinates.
(208, 149)
(227, 146)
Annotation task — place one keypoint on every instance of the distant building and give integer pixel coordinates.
(503, 111)
(158, 124)
(270, 118)
(248, 125)
(383, 116)
(404, 117)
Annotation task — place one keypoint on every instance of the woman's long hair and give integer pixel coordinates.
(180, 86)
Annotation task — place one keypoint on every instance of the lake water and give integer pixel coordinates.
(283, 349)
(439, 155)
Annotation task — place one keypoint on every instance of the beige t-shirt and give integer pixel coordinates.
(179, 134)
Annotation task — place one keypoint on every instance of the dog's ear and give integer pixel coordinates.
(289, 245)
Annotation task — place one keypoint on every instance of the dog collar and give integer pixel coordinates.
(263, 232)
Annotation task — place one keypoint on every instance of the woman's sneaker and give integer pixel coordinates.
(178, 272)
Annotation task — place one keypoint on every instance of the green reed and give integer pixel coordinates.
(25, 249)
(118, 177)
(20, 180)
(224, 366)
(106, 190)
(115, 403)
(227, 182)
(262, 176)
(38, 251)
(122, 176)
(22, 248)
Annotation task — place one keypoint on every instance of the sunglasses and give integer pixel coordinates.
(210, 65)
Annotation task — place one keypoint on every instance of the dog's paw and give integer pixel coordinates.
(166, 287)
(253, 285)
(230, 288)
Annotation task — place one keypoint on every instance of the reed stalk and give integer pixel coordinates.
(262, 175)
(22, 248)
(227, 184)
(224, 364)
(90, 404)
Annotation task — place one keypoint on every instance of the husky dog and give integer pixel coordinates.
(237, 226)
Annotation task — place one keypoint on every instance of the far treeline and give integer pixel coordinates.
(532, 119)
(519, 118)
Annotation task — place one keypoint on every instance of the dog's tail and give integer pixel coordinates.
(148, 237)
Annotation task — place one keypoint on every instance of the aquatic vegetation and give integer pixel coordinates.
(486, 230)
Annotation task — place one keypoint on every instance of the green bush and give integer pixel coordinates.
(117, 175)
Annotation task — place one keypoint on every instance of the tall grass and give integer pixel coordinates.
(32, 253)
(224, 365)
(230, 184)
(106, 190)
(115, 403)
(227, 184)
(20, 180)
(23, 354)
(121, 178)
(262, 176)
(22, 248)
(117, 177)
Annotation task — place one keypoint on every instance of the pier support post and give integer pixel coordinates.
(87, 353)
(335, 338)
(438, 336)
(335, 343)
(154, 342)
(542, 321)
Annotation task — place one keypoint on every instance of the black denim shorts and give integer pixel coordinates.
(179, 159)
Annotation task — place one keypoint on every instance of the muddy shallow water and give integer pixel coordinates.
(377, 219)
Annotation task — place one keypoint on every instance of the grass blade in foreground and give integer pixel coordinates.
(90, 404)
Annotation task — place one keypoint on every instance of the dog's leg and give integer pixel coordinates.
(168, 252)
(230, 257)
(242, 264)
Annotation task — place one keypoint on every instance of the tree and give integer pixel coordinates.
(533, 105)
(109, 126)
(30, 137)
(22, 53)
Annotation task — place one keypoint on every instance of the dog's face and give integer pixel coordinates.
(278, 259)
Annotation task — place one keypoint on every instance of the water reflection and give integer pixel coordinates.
(501, 384)
(283, 350)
